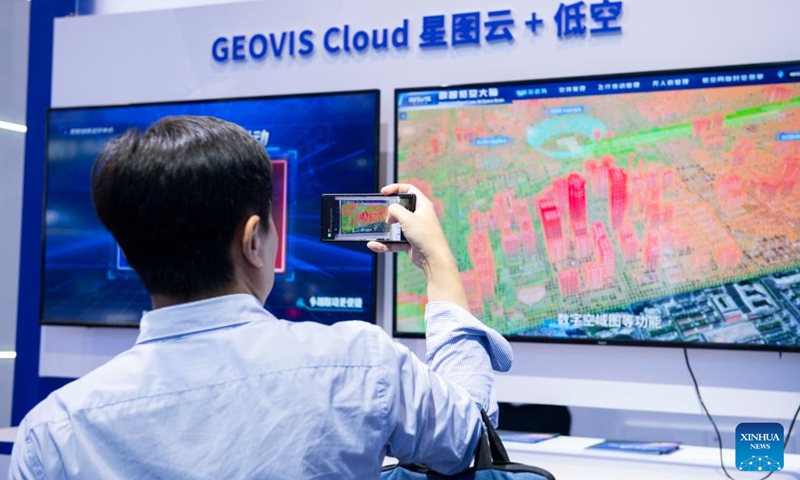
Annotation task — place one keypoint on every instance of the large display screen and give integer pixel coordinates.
(656, 208)
(317, 143)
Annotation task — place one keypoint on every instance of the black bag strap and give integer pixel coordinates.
(499, 454)
(484, 453)
(492, 454)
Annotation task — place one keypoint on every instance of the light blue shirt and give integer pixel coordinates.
(221, 389)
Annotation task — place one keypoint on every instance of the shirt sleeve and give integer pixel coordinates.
(465, 351)
(434, 409)
(430, 420)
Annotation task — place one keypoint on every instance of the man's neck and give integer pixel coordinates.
(161, 301)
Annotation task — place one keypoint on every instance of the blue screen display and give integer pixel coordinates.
(324, 143)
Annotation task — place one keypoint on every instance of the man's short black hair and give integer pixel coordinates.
(174, 195)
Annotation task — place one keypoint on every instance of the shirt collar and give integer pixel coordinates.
(203, 315)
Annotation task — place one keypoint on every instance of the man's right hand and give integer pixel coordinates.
(427, 246)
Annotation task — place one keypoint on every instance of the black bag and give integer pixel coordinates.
(491, 463)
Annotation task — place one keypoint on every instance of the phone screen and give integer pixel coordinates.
(361, 218)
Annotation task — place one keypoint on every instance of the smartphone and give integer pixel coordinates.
(361, 217)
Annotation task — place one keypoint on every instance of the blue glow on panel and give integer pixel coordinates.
(329, 143)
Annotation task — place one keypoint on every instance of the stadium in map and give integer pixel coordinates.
(649, 215)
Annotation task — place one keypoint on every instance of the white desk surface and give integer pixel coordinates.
(568, 459)
(8, 435)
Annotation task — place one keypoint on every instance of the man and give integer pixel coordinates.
(218, 388)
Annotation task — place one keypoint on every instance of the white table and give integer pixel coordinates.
(7, 437)
(568, 459)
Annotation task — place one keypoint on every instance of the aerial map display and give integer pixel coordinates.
(650, 208)
(364, 217)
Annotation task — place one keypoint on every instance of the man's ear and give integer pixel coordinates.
(251, 242)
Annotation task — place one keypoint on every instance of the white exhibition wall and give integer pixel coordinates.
(166, 55)
(14, 19)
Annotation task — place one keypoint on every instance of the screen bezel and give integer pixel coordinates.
(584, 341)
(376, 93)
